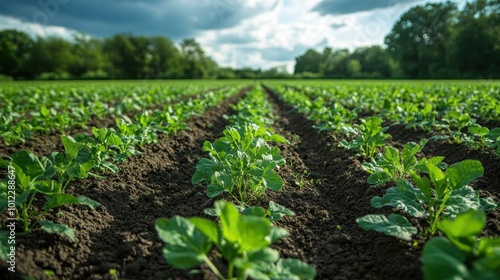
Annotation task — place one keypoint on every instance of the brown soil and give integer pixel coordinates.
(324, 185)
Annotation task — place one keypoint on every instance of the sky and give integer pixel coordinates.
(236, 33)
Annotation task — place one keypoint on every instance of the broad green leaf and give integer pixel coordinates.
(186, 246)
(29, 163)
(57, 200)
(438, 179)
(278, 211)
(463, 230)
(229, 218)
(252, 232)
(209, 228)
(70, 146)
(92, 204)
(277, 233)
(464, 172)
(63, 229)
(294, 269)
(256, 211)
(204, 171)
(461, 201)
(378, 178)
(48, 187)
(404, 197)
(214, 190)
(479, 130)
(442, 260)
(273, 181)
(394, 225)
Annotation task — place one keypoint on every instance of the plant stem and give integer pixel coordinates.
(213, 268)
(230, 271)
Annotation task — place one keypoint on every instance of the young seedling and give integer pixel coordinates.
(441, 193)
(461, 254)
(241, 163)
(371, 135)
(393, 164)
(242, 240)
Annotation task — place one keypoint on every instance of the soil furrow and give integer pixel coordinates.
(120, 234)
(324, 232)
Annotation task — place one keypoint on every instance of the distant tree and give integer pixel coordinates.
(166, 59)
(476, 46)
(308, 62)
(52, 55)
(87, 55)
(194, 59)
(375, 61)
(335, 62)
(15, 51)
(420, 38)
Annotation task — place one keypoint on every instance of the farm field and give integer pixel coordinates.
(97, 165)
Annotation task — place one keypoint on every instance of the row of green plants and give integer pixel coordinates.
(28, 110)
(241, 164)
(46, 177)
(425, 189)
(447, 112)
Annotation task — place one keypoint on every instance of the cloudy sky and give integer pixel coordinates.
(237, 33)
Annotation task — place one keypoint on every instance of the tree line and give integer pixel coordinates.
(435, 40)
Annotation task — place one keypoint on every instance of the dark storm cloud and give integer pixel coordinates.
(173, 18)
(342, 7)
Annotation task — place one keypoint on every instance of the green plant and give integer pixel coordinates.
(393, 164)
(241, 163)
(461, 254)
(32, 177)
(274, 212)
(242, 240)
(75, 163)
(442, 193)
(371, 135)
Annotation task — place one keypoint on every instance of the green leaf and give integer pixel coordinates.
(277, 233)
(229, 218)
(252, 232)
(209, 228)
(186, 246)
(464, 172)
(295, 269)
(48, 187)
(405, 197)
(29, 163)
(442, 260)
(378, 178)
(462, 231)
(57, 200)
(395, 225)
(256, 211)
(204, 171)
(63, 229)
(461, 201)
(88, 202)
(273, 181)
(278, 211)
(214, 190)
(70, 146)
(478, 130)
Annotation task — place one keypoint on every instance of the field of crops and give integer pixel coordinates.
(250, 180)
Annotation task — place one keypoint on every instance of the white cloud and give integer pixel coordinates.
(258, 33)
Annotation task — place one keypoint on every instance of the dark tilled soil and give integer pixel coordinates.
(324, 185)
